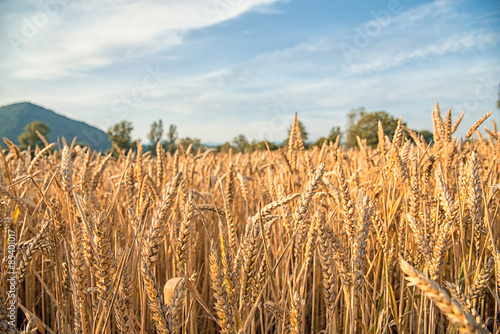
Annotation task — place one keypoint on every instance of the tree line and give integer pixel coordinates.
(361, 124)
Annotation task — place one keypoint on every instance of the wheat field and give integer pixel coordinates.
(400, 238)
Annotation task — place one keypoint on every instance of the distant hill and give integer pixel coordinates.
(14, 117)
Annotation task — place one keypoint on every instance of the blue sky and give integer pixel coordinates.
(218, 68)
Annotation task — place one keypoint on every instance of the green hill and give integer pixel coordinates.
(14, 117)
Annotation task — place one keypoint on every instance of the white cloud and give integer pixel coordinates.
(379, 61)
(83, 35)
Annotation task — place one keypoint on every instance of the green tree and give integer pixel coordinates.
(240, 143)
(30, 138)
(225, 147)
(121, 134)
(155, 134)
(352, 117)
(365, 126)
(169, 144)
(185, 142)
(261, 146)
(334, 133)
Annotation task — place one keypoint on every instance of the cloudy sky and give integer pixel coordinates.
(217, 68)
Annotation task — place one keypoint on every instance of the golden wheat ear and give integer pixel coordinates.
(455, 313)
